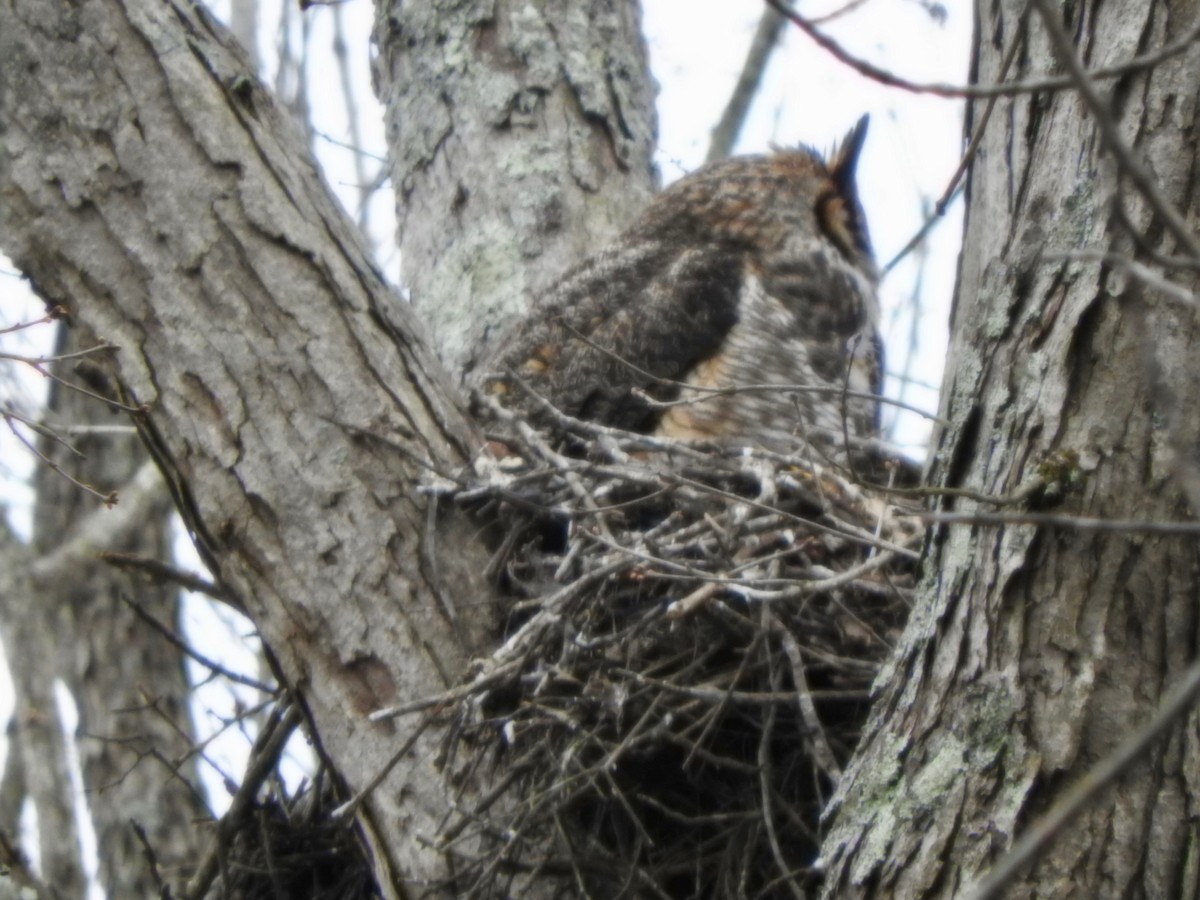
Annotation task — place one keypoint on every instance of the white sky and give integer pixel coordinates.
(697, 48)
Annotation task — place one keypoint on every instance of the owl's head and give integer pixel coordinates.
(838, 209)
(761, 202)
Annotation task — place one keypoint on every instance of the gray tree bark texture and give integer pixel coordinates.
(1033, 652)
(521, 137)
(149, 185)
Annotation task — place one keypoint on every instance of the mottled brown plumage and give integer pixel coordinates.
(752, 271)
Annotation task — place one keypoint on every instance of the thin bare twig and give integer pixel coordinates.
(165, 572)
(954, 188)
(1143, 273)
(765, 779)
(1051, 83)
(822, 752)
(9, 415)
(58, 312)
(183, 646)
(351, 805)
(1051, 520)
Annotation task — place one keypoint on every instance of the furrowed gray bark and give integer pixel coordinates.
(149, 185)
(1033, 652)
(521, 137)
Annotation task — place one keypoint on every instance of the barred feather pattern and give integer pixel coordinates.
(744, 297)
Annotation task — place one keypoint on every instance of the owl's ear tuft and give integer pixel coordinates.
(844, 160)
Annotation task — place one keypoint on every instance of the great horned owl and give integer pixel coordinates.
(751, 272)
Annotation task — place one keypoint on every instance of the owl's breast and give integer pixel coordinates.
(779, 378)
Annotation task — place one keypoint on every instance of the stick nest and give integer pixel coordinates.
(289, 845)
(691, 641)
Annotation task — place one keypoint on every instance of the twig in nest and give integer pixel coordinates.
(670, 629)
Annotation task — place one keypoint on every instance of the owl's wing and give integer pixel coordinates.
(621, 323)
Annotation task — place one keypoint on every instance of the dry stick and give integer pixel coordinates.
(487, 866)
(1129, 162)
(1038, 838)
(520, 644)
(510, 654)
(37, 362)
(173, 765)
(168, 634)
(564, 466)
(57, 312)
(104, 527)
(722, 702)
(200, 748)
(849, 7)
(79, 389)
(1135, 270)
(1049, 520)
(565, 839)
(952, 91)
(354, 802)
(477, 686)
(11, 413)
(800, 588)
(839, 529)
(451, 834)
(844, 409)
(841, 391)
(883, 510)
(615, 791)
(165, 572)
(528, 818)
(764, 781)
(109, 499)
(821, 751)
(952, 192)
(151, 859)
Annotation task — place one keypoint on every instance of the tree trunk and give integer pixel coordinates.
(1033, 652)
(521, 137)
(150, 185)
